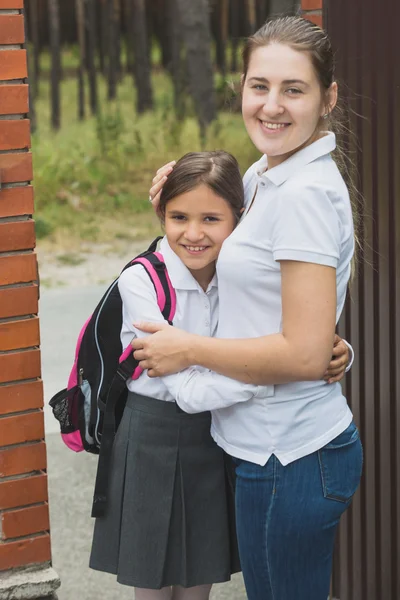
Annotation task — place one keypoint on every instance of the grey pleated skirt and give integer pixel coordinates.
(170, 518)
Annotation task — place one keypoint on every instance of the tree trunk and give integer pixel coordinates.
(80, 22)
(262, 12)
(196, 33)
(54, 26)
(178, 63)
(102, 27)
(117, 38)
(91, 54)
(251, 16)
(234, 26)
(224, 24)
(112, 51)
(128, 20)
(142, 66)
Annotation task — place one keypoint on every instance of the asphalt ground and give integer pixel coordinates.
(71, 476)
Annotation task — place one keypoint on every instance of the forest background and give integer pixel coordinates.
(118, 88)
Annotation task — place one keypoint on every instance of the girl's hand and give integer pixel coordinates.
(165, 352)
(158, 182)
(340, 359)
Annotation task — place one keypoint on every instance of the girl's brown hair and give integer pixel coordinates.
(218, 170)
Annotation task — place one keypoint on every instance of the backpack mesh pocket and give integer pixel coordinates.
(66, 406)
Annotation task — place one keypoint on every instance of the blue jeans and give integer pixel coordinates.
(287, 519)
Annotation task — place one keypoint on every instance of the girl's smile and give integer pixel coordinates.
(196, 225)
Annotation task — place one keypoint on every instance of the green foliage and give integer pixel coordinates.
(92, 177)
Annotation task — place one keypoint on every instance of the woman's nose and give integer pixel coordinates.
(273, 105)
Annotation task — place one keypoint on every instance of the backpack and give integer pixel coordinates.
(90, 408)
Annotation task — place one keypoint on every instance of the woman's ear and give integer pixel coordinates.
(332, 97)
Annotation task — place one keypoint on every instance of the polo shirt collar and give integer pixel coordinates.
(279, 174)
(180, 276)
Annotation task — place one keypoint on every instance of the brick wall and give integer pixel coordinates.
(312, 10)
(24, 516)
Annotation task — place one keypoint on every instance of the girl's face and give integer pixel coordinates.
(196, 224)
(282, 101)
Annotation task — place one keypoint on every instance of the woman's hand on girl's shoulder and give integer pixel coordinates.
(340, 359)
(158, 182)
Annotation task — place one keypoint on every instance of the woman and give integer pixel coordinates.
(283, 275)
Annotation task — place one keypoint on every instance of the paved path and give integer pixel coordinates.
(63, 311)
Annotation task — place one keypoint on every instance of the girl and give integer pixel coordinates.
(169, 530)
(282, 275)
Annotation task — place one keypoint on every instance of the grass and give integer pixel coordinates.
(92, 177)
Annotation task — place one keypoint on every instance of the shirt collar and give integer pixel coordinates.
(278, 175)
(180, 276)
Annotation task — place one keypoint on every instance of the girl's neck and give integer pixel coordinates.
(204, 276)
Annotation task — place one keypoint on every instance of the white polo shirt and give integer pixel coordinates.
(301, 212)
(196, 312)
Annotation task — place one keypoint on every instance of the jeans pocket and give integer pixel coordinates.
(340, 464)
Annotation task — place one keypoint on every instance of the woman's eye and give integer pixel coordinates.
(259, 87)
(294, 91)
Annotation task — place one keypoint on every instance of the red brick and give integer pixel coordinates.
(18, 301)
(22, 428)
(14, 99)
(15, 134)
(25, 552)
(12, 29)
(25, 521)
(16, 167)
(311, 4)
(21, 396)
(17, 235)
(317, 19)
(22, 459)
(15, 335)
(21, 268)
(20, 492)
(16, 201)
(13, 65)
(19, 365)
(5, 4)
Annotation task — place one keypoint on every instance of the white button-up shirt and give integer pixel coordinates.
(301, 212)
(196, 312)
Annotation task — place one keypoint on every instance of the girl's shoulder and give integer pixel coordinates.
(136, 279)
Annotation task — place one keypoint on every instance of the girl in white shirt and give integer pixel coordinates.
(170, 529)
(282, 275)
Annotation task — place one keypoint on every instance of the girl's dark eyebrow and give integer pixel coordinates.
(285, 81)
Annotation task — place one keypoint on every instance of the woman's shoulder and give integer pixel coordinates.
(320, 177)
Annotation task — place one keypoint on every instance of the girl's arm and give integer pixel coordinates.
(139, 301)
(301, 352)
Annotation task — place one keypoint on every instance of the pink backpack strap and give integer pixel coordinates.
(166, 295)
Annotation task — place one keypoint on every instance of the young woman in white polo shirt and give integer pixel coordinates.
(283, 275)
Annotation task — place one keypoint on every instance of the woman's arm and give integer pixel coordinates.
(301, 352)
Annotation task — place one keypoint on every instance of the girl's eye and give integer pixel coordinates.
(211, 219)
(178, 217)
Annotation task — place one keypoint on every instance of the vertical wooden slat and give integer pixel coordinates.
(367, 562)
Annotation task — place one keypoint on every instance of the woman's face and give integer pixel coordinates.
(282, 101)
